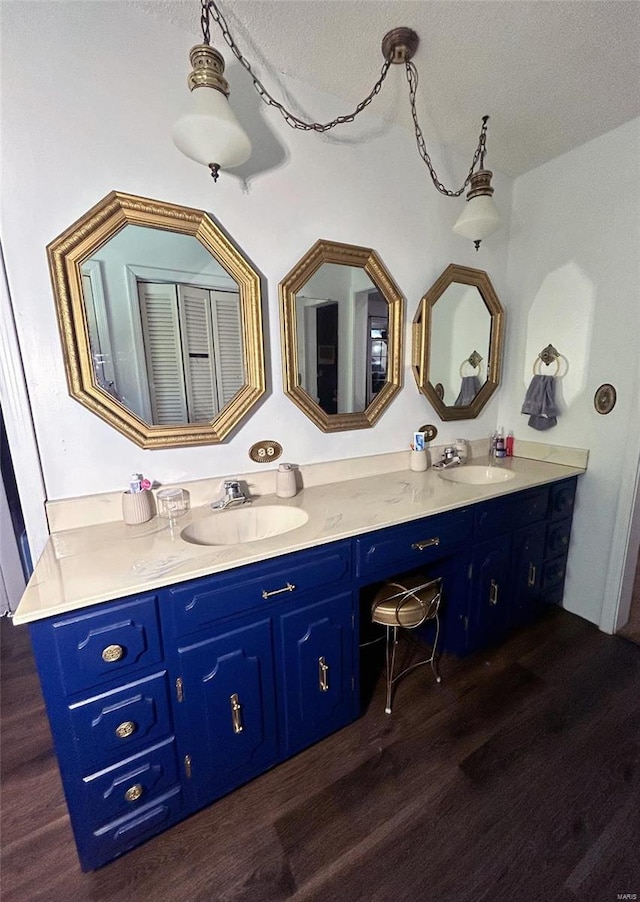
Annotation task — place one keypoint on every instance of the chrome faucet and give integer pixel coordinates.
(450, 458)
(232, 496)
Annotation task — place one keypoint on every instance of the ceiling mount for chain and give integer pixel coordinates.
(399, 45)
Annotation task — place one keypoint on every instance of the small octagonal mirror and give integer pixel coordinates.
(342, 319)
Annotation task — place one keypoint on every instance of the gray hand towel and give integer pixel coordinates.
(539, 403)
(468, 390)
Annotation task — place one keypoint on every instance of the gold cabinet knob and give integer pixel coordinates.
(134, 792)
(127, 728)
(112, 653)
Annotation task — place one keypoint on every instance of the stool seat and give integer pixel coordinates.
(407, 604)
(397, 604)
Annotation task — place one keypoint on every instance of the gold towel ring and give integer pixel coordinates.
(476, 367)
(474, 360)
(537, 365)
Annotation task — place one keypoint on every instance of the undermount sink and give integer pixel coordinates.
(244, 524)
(477, 475)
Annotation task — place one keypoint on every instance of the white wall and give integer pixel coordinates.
(99, 119)
(574, 280)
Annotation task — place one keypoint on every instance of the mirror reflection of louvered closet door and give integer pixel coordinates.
(193, 350)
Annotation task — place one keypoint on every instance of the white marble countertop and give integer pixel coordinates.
(91, 564)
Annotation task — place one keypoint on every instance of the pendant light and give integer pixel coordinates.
(210, 133)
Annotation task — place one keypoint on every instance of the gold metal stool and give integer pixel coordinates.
(407, 604)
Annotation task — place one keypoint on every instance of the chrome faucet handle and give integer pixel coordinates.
(232, 494)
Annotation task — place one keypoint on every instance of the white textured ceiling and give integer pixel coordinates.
(552, 74)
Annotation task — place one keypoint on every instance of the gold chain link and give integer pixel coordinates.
(209, 8)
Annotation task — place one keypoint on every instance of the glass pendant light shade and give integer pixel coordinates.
(480, 217)
(208, 131)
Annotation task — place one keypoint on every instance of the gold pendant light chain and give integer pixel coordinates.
(412, 79)
(291, 119)
(210, 9)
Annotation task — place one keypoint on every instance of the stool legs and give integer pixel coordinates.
(392, 642)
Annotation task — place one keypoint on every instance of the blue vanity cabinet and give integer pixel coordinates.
(490, 593)
(316, 651)
(507, 568)
(262, 660)
(226, 707)
(528, 558)
(164, 701)
(554, 568)
(106, 689)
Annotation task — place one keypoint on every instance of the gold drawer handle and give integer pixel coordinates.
(427, 543)
(125, 729)
(236, 713)
(323, 675)
(288, 588)
(532, 576)
(112, 653)
(493, 592)
(134, 792)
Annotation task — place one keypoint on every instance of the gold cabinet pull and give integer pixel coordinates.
(236, 713)
(532, 576)
(187, 766)
(426, 543)
(288, 588)
(134, 792)
(125, 729)
(180, 689)
(493, 592)
(323, 675)
(112, 653)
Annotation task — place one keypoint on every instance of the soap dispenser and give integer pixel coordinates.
(286, 481)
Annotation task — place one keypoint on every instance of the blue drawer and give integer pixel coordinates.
(113, 839)
(126, 787)
(108, 727)
(200, 602)
(503, 515)
(558, 535)
(553, 574)
(562, 498)
(102, 645)
(387, 552)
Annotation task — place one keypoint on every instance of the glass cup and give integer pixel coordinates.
(172, 503)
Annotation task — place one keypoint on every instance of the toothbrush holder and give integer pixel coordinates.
(418, 461)
(137, 507)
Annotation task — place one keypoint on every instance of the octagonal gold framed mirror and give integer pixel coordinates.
(457, 342)
(342, 321)
(160, 320)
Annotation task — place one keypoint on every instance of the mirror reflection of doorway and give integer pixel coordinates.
(327, 357)
(377, 356)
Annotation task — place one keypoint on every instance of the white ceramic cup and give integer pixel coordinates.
(137, 507)
(418, 461)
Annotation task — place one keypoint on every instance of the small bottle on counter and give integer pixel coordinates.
(462, 448)
(500, 444)
(286, 481)
(509, 442)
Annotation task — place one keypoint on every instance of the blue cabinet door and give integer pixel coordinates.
(316, 646)
(228, 711)
(455, 625)
(528, 558)
(491, 592)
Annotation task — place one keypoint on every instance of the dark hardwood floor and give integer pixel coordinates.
(518, 778)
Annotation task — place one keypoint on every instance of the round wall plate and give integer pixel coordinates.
(430, 432)
(605, 398)
(265, 452)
